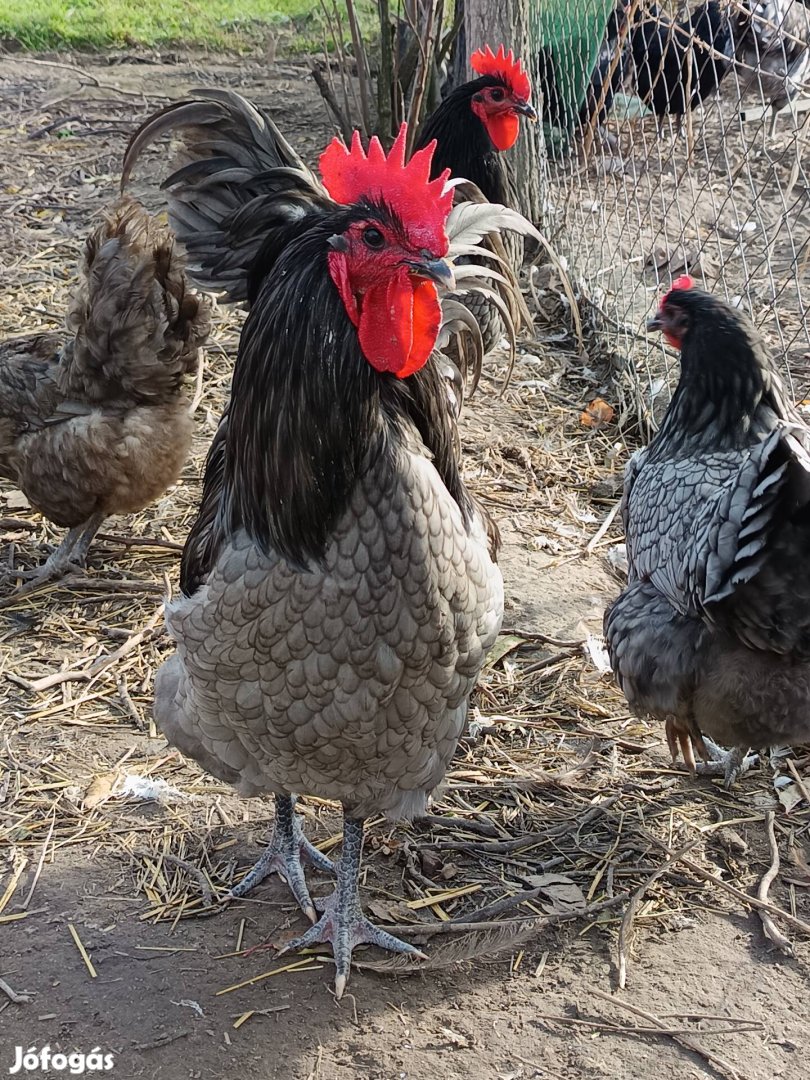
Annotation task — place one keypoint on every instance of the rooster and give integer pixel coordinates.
(678, 65)
(339, 588)
(774, 53)
(97, 423)
(472, 127)
(712, 633)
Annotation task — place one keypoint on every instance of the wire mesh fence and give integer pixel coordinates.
(664, 156)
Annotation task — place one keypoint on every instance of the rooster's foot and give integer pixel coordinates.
(283, 856)
(730, 764)
(343, 924)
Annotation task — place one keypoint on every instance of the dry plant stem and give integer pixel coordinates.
(331, 102)
(719, 1064)
(772, 932)
(626, 927)
(103, 662)
(385, 79)
(750, 901)
(736, 1027)
(361, 59)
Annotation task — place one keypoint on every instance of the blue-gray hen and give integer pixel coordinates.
(712, 633)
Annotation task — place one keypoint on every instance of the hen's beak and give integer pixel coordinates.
(655, 323)
(526, 109)
(438, 271)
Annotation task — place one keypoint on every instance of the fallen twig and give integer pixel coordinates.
(772, 932)
(13, 995)
(719, 1064)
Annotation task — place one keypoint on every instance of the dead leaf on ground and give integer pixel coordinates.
(99, 790)
(596, 413)
(564, 895)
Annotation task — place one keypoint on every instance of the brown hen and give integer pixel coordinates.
(99, 424)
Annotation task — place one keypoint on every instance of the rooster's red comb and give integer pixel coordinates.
(421, 204)
(503, 65)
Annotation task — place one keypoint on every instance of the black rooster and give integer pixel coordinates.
(472, 126)
(712, 633)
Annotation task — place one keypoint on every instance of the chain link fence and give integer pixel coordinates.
(664, 156)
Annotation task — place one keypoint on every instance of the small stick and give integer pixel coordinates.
(720, 1064)
(12, 995)
(139, 541)
(772, 932)
(103, 662)
(83, 952)
(198, 388)
(603, 528)
(38, 870)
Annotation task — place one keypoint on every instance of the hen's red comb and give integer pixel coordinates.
(503, 65)
(421, 204)
(683, 282)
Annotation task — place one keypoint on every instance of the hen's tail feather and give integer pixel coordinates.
(224, 183)
(136, 325)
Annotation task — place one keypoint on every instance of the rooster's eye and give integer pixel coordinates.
(497, 94)
(373, 237)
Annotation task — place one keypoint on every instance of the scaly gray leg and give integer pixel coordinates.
(283, 857)
(730, 764)
(65, 559)
(343, 923)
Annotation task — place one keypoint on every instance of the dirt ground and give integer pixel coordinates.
(552, 756)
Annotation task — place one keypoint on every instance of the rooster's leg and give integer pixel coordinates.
(283, 856)
(730, 764)
(343, 923)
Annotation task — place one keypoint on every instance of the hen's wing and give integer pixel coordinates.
(724, 537)
(224, 184)
(29, 392)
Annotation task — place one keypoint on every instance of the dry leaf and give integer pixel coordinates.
(597, 412)
(390, 911)
(504, 644)
(15, 500)
(564, 895)
(99, 790)
(801, 875)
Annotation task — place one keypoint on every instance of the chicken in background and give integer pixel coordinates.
(96, 422)
(222, 201)
(774, 54)
(472, 128)
(672, 69)
(339, 585)
(712, 633)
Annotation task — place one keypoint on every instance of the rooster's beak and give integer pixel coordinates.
(438, 271)
(655, 323)
(526, 109)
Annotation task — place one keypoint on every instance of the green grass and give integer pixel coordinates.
(97, 24)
